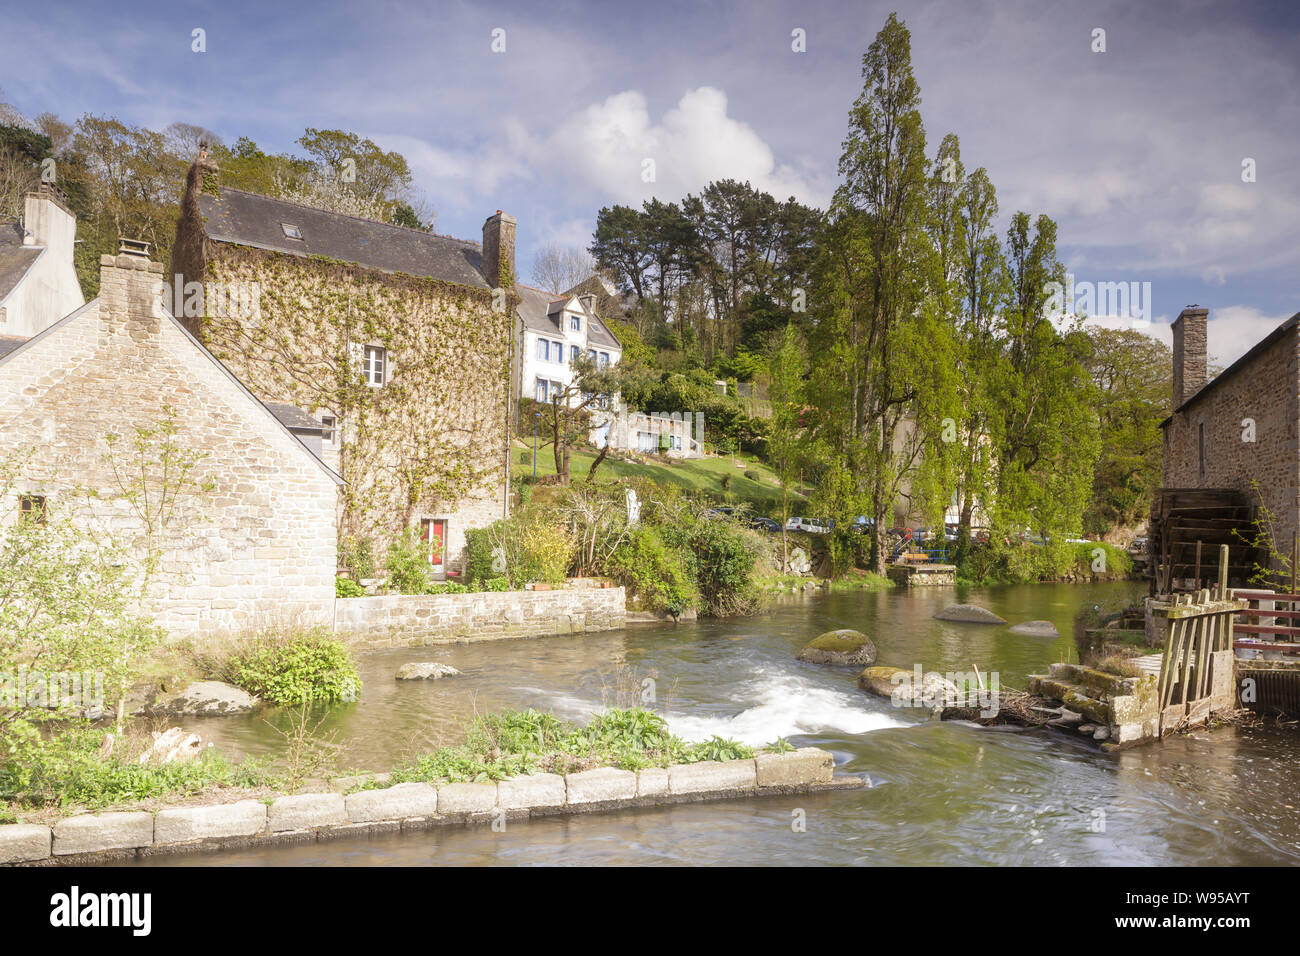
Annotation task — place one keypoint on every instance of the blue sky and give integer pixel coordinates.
(1137, 152)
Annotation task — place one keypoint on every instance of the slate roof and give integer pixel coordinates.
(293, 418)
(541, 312)
(8, 343)
(251, 219)
(15, 258)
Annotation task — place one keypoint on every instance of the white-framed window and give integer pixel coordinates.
(540, 391)
(575, 323)
(574, 352)
(557, 352)
(677, 442)
(591, 354)
(328, 428)
(376, 365)
(556, 389)
(604, 360)
(543, 350)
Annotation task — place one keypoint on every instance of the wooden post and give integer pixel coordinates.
(1196, 582)
(1223, 572)
(1167, 665)
(1295, 546)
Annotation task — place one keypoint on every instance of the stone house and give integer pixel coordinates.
(1231, 455)
(38, 282)
(397, 341)
(254, 548)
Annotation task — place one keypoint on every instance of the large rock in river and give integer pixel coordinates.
(426, 671)
(969, 614)
(207, 698)
(904, 690)
(842, 648)
(1036, 629)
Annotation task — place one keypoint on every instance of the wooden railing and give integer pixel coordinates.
(1251, 621)
(1199, 625)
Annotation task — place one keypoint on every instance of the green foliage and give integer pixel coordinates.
(720, 557)
(654, 574)
(347, 588)
(718, 748)
(527, 547)
(407, 564)
(357, 556)
(68, 769)
(447, 587)
(510, 743)
(294, 668)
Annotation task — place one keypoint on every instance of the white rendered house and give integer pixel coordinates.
(553, 331)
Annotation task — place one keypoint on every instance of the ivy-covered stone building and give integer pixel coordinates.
(398, 342)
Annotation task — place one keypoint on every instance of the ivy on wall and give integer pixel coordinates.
(427, 440)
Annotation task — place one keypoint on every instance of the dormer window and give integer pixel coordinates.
(575, 323)
(291, 231)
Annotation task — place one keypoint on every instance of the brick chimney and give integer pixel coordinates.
(1189, 353)
(499, 250)
(131, 290)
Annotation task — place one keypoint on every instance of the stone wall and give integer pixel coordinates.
(94, 838)
(1263, 390)
(415, 620)
(260, 547)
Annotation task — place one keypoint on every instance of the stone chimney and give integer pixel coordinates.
(131, 290)
(1189, 353)
(499, 250)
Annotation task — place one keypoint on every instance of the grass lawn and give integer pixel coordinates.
(701, 475)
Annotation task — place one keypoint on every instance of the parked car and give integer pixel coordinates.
(810, 525)
(764, 524)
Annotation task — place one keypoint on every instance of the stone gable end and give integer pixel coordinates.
(260, 549)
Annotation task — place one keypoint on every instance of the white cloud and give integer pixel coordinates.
(1231, 330)
(606, 146)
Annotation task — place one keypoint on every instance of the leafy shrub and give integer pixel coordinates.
(753, 475)
(67, 769)
(655, 574)
(717, 748)
(528, 546)
(445, 587)
(518, 742)
(495, 584)
(347, 588)
(407, 566)
(302, 667)
(720, 556)
(358, 556)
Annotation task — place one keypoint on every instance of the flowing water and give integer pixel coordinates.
(939, 792)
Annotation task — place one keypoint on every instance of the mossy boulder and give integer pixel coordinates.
(842, 648)
(969, 614)
(902, 688)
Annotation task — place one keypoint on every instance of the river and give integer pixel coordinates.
(939, 793)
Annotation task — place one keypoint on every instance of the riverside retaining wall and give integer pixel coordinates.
(306, 817)
(411, 621)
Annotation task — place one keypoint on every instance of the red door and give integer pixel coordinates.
(434, 533)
